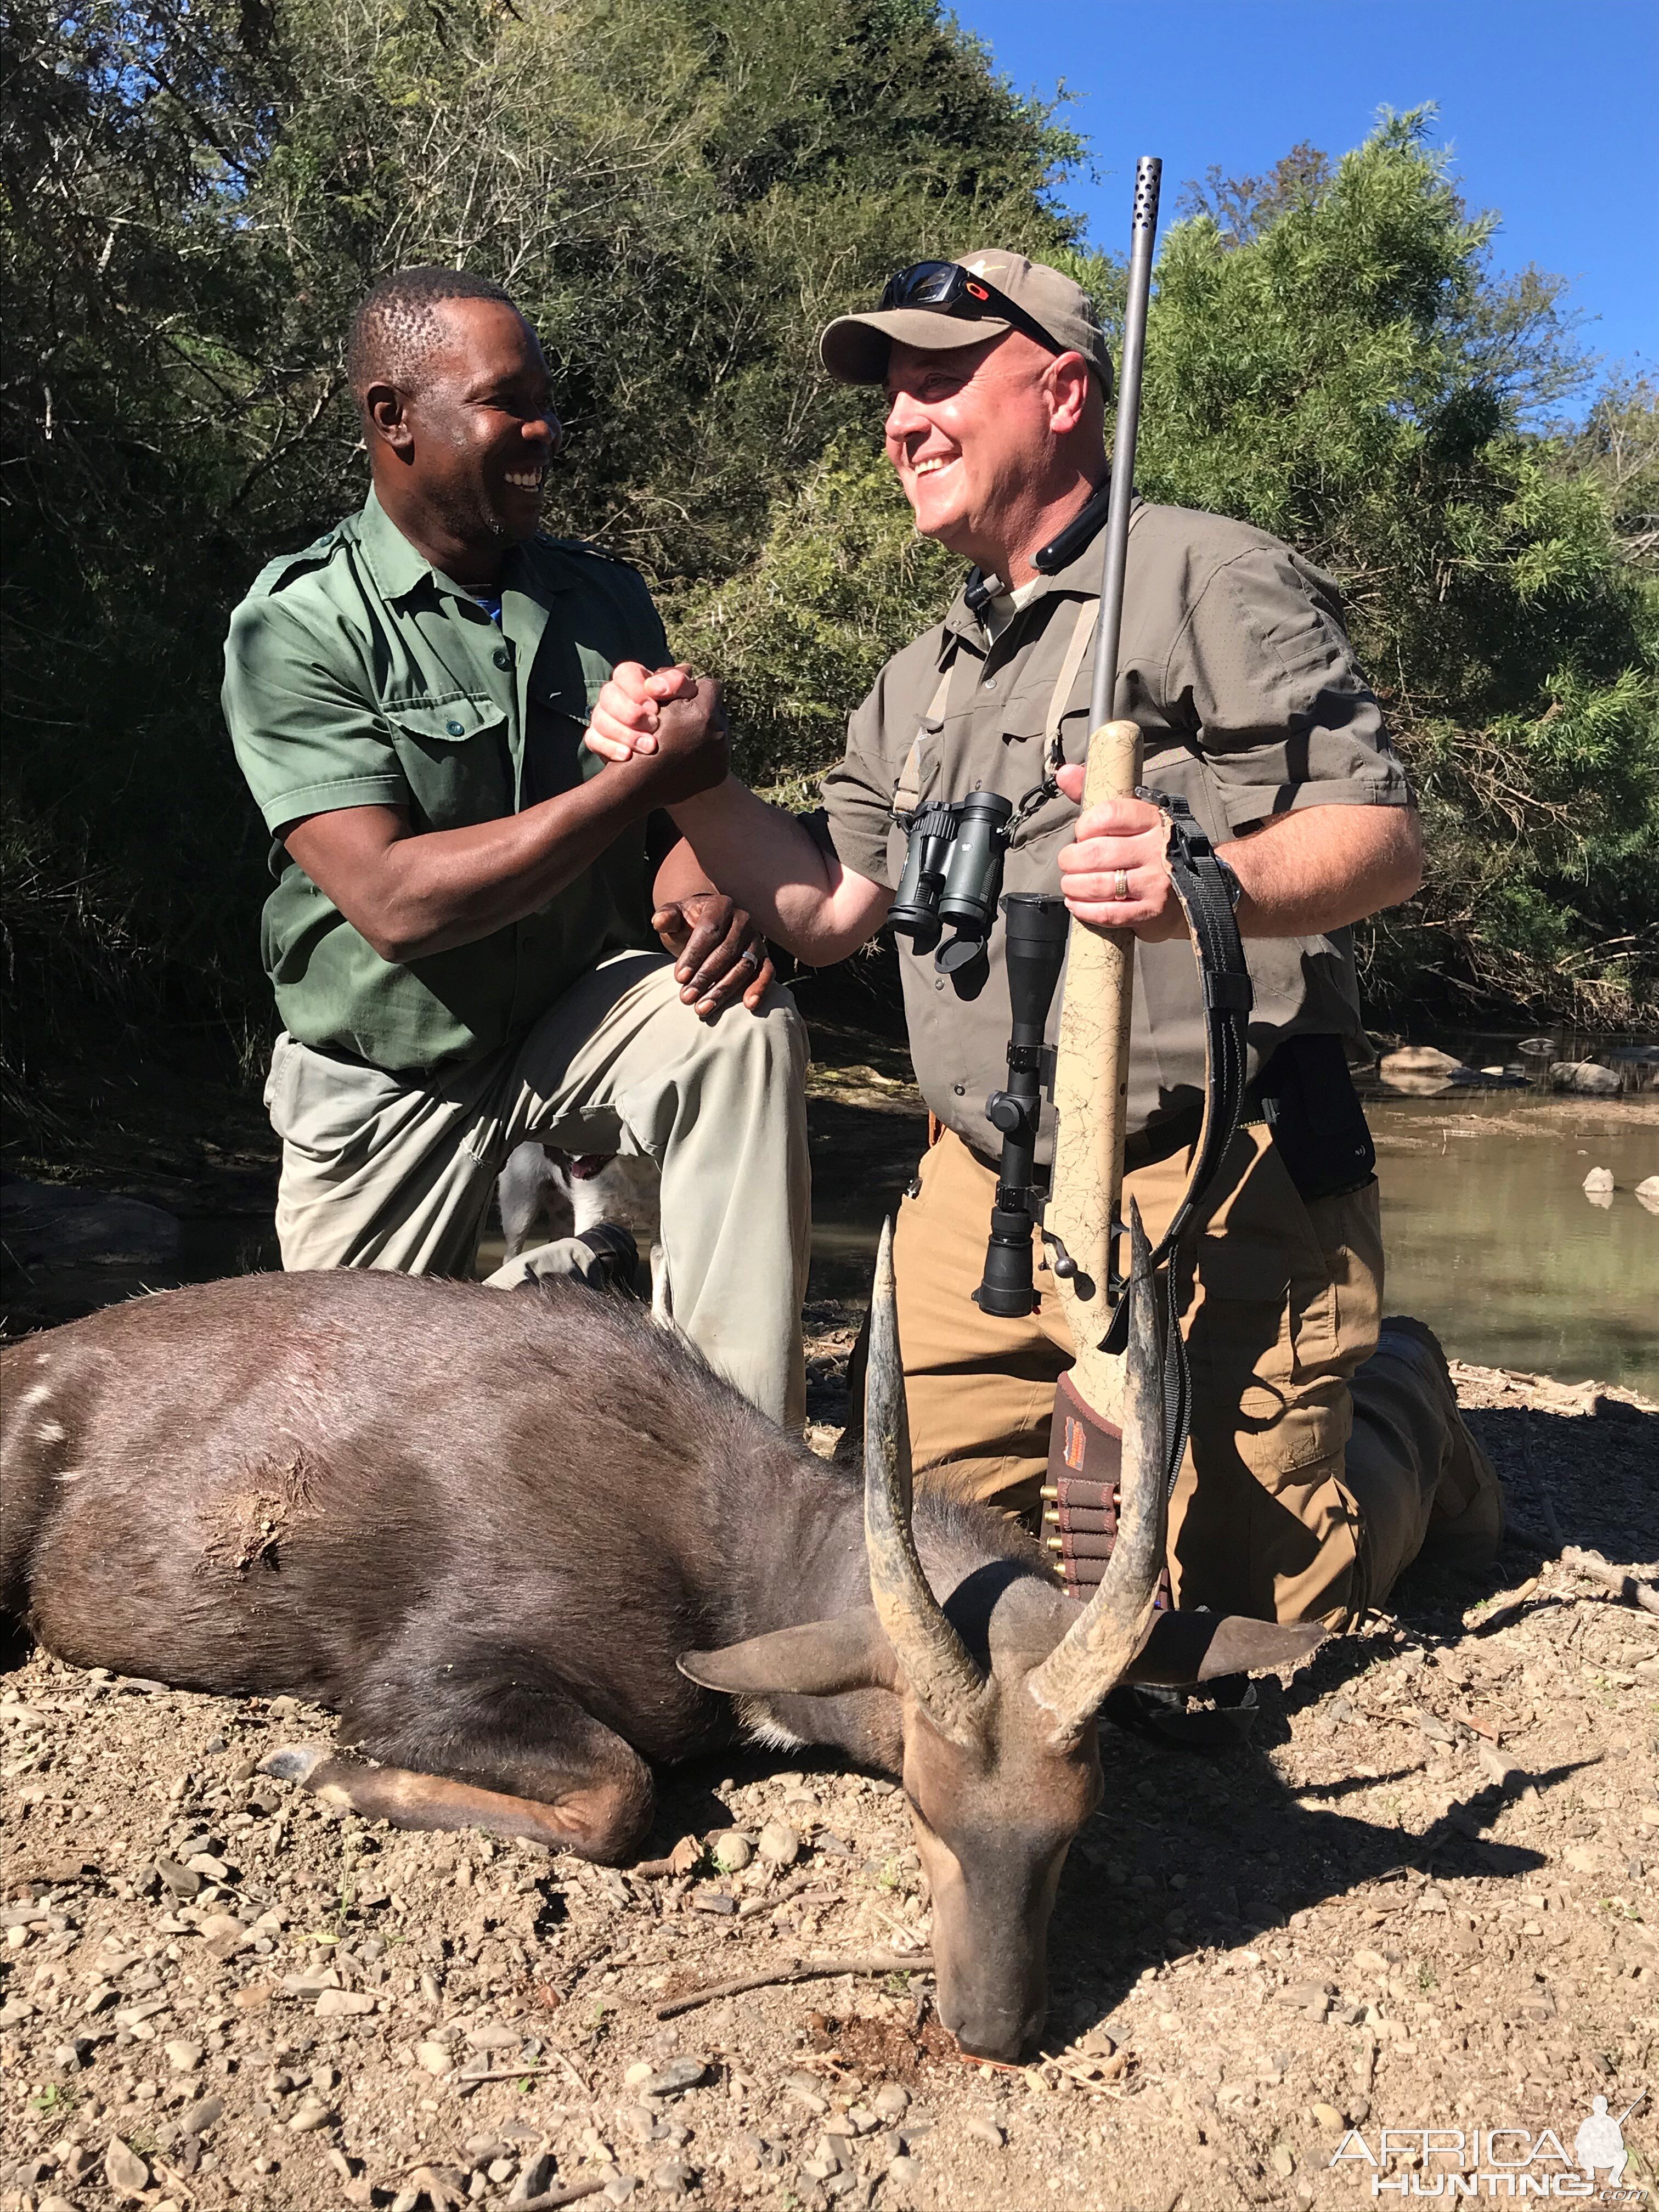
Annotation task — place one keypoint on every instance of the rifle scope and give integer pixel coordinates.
(1035, 946)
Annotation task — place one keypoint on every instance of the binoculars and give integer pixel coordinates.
(952, 875)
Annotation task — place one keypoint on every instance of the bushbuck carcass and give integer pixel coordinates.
(528, 1545)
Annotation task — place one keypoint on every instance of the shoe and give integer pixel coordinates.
(1466, 1524)
(615, 1263)
(605, 1258)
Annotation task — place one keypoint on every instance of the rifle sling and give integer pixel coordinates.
(1224, 979)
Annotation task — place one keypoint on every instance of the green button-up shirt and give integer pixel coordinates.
(357, 674)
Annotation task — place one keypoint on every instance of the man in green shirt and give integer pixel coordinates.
(461, 934)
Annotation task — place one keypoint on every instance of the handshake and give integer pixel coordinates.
(666, 726)
(666, 731)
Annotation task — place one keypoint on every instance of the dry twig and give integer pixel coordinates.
(461, 2080)
(797, 1970)
(1628, 1586)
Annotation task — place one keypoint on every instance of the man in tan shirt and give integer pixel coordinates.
(1326, 1448)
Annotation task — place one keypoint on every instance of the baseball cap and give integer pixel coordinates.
(936, 311)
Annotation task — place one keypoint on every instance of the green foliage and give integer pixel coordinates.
(1329, 358)
(1617, 450)
(680, 192)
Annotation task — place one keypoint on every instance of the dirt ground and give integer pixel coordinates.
(1421, 1895)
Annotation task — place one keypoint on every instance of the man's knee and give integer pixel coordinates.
(774, 1032)
(763, 1054)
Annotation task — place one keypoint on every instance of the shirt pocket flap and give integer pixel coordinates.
(1021, 721)
(447, 721)
(1024, 727)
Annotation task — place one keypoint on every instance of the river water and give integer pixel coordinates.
(1491, 1238)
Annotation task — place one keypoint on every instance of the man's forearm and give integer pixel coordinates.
(798, 893)
(1317, 869)
(415, 893)
(454, 886)
(1313, 869)
(682, 875)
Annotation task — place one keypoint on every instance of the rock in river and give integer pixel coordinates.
(1587, 1078)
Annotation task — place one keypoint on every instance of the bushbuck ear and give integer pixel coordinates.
(1197, 1647)
(819, 1660)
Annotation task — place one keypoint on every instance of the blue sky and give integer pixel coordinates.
(1549, 106)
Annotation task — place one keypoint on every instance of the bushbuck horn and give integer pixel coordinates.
(946, 1683)
(1098, 1649)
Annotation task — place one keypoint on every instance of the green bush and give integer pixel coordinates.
(1330, 357)
(680, 192)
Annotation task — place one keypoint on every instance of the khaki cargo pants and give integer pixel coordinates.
(396, 1170)
(1319, 1457)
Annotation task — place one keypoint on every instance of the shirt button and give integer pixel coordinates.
(455, 729)
(502, 657)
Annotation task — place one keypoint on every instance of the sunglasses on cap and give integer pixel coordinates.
(945, 288)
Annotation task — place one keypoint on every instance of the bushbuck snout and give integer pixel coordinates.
(994, 1896)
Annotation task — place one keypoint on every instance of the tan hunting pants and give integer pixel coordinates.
(1319, 1455)
(396, 1170)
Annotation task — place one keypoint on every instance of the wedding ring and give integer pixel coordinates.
(749, 959)
(1121, 889)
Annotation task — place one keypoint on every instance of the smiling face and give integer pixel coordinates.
(460, 457)
(990, 442)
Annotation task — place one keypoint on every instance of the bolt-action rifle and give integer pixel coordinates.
(1092, 1094)
(1090, 1073)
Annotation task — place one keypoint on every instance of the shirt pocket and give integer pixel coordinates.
(1020, 761)
(455, 752)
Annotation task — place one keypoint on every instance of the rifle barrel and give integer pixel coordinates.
(1142, 234)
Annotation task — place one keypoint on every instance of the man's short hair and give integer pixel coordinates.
(396, 324)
